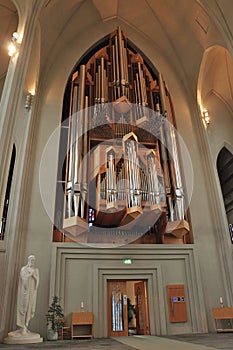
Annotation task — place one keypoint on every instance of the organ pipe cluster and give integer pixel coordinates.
(118, 142)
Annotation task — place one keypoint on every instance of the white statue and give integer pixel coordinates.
(26, 305)
(27, 292)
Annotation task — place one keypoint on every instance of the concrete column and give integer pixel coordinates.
(10, 111)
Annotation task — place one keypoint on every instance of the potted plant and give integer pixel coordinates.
(55, 319)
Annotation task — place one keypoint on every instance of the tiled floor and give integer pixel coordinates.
(215, 340)
(95, 344)
(209, 341)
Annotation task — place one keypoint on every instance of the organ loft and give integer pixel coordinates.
(120, 173)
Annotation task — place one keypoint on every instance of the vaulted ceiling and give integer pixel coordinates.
(179, 29)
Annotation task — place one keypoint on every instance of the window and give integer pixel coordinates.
(7, 195)
(225, 173)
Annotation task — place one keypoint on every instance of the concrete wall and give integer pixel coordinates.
(80, 273)
(38, 216)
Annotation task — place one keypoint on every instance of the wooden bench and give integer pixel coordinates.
(223, 319)
(82, 325)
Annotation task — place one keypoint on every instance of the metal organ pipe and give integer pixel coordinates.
(162, 93)
(106, 86)
(114, 70)
(179, 194)
(142, 85)
(103, 186)
(121, 62)
(163, 144)
(117, 68)
(99, 84)
(84, 163)
(96, 87)
(132, 166)
(111, 179)
(171, 142)
(78, 143)
(121, 185)
(102, 99)
(71, 150)
(125, 60)
(153, 182)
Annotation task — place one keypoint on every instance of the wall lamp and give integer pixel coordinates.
(205, 117)
(14, 45)
(29, 100)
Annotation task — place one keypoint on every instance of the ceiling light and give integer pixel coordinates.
(14, 45)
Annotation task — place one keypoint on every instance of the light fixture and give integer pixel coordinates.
(205, 117)
(127, 261)
(29, 99)
(14, 45)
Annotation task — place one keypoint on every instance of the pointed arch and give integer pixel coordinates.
(225, 173)
(4, 213)
(215, 76)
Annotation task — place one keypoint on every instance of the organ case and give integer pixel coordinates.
(122, 170)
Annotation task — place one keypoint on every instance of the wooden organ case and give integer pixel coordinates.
(120, 184)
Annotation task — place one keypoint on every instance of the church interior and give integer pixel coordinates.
(116, 152)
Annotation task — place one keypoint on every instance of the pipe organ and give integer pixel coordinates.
(122, 173)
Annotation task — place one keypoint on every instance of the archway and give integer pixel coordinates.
(225, 173)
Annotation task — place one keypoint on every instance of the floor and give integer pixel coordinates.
(209, 341)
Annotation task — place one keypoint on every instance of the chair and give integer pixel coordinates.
(65, 332)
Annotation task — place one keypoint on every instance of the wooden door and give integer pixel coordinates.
(142, 314)
(117, 308)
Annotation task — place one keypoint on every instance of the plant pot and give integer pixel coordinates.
(52, 335)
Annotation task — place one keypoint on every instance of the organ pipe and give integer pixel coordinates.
(153, 182)
(111, 179)
(70, 156)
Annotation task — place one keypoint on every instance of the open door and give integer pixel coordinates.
(117, 309)
(142, 315)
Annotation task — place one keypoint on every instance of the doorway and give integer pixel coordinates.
(127, 307)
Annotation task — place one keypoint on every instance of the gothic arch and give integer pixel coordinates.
(215, 76)
(225, 173)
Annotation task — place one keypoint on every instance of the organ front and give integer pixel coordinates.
(121, 176)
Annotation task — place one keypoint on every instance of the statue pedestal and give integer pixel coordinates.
(19, 337)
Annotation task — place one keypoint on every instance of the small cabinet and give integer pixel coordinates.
(82, 325)
(223, 319)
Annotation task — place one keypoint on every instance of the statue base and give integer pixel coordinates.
(19, 337)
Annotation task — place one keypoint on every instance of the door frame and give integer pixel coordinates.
(124, 306)
(101, 274)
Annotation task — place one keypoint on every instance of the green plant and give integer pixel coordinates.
(55, 315)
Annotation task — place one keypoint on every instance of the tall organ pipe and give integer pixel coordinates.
(111, 179)
(164, 157)
(84, 163)
(171, 143)
(132, 166)
(71, 149)
(78, 144)
(153, 181)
